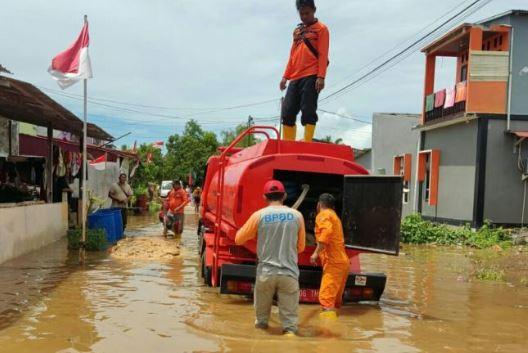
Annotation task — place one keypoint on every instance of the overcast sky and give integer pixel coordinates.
(195, 56)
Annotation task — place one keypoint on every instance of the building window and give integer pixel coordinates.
(495, 42)
(500, 40)
(403, 167)
(428, 173)
(427, 195)
(463, 73)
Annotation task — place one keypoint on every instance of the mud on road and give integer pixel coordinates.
(50, 304)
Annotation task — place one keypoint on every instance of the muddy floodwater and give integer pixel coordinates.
(48, 303)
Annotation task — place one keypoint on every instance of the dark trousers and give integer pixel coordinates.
(124, 216)
(300, 96)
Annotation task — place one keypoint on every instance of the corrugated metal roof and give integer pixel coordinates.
(21, 101)
(504, 14)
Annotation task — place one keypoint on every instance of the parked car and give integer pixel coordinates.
(166, 186)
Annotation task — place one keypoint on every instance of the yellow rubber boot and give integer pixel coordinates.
(288, 132)
(328, 315)
(309, 131)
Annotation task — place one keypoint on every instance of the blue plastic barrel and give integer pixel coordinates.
(102, 220)
(118, 220)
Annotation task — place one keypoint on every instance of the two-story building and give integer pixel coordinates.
(472, 163)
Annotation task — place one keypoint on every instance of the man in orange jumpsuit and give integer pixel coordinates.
(306, 72)
(330, 251)
(176, 202)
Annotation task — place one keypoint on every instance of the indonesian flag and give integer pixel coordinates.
(99, 163)
(73, 64)
(158, 145)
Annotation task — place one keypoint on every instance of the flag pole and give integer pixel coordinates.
(82, 254)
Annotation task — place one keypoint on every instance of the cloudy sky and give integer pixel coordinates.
(158, 63)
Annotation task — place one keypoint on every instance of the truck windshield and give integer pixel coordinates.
(166, 185)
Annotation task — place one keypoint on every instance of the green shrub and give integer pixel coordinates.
(490, 274)
(95, 239)
(154, 207)
(416, 230)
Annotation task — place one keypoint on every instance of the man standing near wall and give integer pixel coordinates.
(280, 234)
(120, 193)
(306, 71)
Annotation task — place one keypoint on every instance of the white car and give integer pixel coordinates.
(165, 188)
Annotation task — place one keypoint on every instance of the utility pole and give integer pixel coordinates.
(249, 124)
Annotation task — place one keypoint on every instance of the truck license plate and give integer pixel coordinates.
(309, 295)
(361, 281)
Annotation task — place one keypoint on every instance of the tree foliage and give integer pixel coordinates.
(151, 167)
(186, 153)
(329, 139)
(229, 136)
(189, 152)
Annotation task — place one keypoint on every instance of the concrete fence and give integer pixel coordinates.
(27, 228)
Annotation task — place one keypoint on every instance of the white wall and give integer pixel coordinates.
(100, 181)
(27, 228)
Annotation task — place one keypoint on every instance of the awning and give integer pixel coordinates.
(520, 134)
(37, 146)
(21, 101)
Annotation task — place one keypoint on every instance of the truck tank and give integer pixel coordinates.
(233, 191)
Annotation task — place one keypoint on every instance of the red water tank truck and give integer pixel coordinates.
(370, 208)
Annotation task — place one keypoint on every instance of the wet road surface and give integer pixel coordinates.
(50, 304)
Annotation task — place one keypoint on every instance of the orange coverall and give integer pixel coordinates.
(335, 262)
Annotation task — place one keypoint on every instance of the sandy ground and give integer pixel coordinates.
(146, 248)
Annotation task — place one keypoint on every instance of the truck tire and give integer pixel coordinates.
(205, 271)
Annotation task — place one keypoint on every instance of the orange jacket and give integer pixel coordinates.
(329, 231)
(176, 198)
(302, 62)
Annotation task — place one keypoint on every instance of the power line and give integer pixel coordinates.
(467, 11)
(207, 110)
(399, 44)
(345, 116)
(128, 110)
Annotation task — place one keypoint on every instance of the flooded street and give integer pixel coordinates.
(49, 304)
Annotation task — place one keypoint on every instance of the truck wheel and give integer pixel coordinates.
(206, 271)
(199, 230)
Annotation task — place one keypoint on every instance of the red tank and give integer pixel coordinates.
(233, 191)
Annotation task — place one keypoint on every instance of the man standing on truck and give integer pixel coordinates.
(306, 71)
(176, 202)
(280, 234)
(331, 252)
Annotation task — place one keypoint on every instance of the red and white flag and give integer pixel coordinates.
(158, 145)
(73, 64)
(99, 163)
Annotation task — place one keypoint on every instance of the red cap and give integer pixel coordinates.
(273, 186)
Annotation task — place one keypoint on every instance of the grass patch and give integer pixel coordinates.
(416, 230)
(490, 274)
(95, 239)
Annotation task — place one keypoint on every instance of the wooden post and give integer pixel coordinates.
(49, 166)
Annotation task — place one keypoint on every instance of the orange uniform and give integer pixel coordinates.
(302, 62)
(329, 232)
(176, 198)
